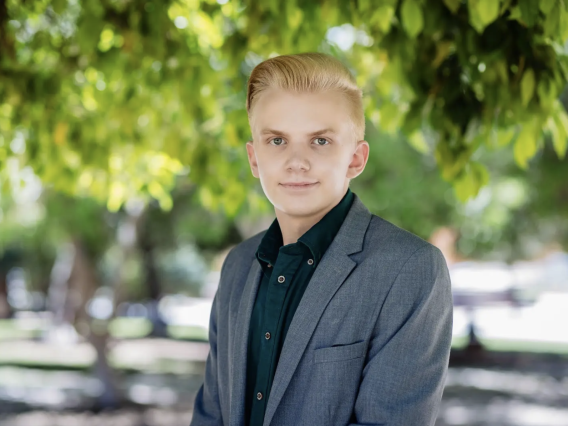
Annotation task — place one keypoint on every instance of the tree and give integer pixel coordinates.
(77, 246)
(116, 99)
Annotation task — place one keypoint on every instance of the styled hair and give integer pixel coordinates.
(309, 72)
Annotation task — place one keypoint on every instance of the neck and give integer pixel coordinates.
(293, 227)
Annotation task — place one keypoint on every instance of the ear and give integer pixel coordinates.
(252, 159)
(359, 160)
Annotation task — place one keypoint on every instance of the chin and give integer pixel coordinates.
(300, 210)
(297, 205)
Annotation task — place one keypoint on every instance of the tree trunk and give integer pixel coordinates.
(8, 260)
(73, 284)
(5, 309)
(57, 295)
(151, 277)
(84, 284)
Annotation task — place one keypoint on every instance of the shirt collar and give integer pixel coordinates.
(270, 244)
(318, 238)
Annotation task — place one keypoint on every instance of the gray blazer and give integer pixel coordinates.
(368, 345)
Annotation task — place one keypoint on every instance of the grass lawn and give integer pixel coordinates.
(120, 328)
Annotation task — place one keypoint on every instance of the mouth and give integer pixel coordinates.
(299, 185)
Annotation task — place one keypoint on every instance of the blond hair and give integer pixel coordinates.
(308, 72)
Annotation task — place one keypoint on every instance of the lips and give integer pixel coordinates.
(299, 185)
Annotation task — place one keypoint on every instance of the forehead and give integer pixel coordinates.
(305, 113)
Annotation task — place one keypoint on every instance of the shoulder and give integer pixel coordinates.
(414, 268)
(385, 233)
(399, 247)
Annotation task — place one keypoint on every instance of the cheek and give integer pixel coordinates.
(268, 165)
(333, 166)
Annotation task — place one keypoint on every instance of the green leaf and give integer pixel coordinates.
(116, 197)
(525, 145)
(382, 17)
(412, 18)
(453, 5)
(515, 14)
(59, 6)
(505, 5)
(553, 20)
(481, 174)
(547, 93)
(527, 86)
(546, 6)
(488, 10)
(474, 17)
(471, 180)
(558, 136)
(465, 187)
(529, 11)
(563, 24)
(501, 69)
(504, 136)
(295, 17)
(560, 124)
(390, 116)
(418, 142)
(443, 49)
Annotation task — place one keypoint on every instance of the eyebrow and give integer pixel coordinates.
(280, 132)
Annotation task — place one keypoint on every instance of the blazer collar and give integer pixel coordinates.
(317, 239)
(332, 271)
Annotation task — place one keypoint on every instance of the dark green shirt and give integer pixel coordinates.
(286, 271)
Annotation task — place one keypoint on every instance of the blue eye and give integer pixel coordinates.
(277, 144)
(322, 139)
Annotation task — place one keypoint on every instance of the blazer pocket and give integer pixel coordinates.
(340, 353)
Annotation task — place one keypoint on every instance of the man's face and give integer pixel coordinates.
(304, 150)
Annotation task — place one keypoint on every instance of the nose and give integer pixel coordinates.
(297, 159)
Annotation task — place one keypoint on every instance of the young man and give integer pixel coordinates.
(333, 316)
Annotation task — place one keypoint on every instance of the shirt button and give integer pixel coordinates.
(281, 279)
(259, 396)
(310, 262)
(267, 335)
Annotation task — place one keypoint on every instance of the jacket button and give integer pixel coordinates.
(310, 262)
(281, 279)
(259, 396)
(267, 335)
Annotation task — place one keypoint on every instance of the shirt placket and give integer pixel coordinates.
(281, 277)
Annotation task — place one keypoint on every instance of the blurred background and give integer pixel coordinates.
(124, 183)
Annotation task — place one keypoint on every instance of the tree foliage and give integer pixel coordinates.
(119, 98)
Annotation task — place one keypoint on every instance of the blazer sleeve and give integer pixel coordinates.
(404, 375)
(207, 408)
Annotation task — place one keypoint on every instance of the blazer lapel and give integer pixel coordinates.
(334, 268)
(240, 345)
